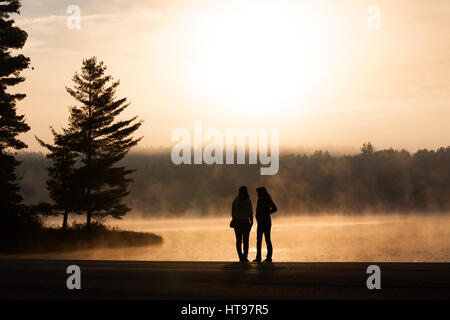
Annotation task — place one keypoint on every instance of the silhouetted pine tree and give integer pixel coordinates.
(11, 124)
(101, 140)
(62, 180)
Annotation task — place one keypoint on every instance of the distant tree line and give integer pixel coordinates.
(371, 181)
(376, 181)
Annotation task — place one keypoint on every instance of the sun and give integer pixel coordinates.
(262, 56)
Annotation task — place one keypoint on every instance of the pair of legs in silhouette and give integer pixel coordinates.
(242, 239)
(263, 230)
(242, 236)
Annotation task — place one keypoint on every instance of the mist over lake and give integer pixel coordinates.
(333, 238)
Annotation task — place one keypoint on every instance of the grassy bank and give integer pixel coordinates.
(77, 237)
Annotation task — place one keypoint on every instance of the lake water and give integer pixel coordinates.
(314, 238)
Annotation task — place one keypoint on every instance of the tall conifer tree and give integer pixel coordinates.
(101, 140)
(11, 123)
(62, 183)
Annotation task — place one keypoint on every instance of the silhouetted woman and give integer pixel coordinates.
(264, 208)
(242, 213)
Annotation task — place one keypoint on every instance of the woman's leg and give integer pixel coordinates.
(268, 240)
(238, 234)
(246, 236)
(259, 236)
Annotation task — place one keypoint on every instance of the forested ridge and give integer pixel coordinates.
(371, 181)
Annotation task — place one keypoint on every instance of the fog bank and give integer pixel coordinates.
(371, 181)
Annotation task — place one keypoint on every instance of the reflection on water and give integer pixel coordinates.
(323, 238)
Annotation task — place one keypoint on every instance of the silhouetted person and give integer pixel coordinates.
(242, 213)
(264, 208)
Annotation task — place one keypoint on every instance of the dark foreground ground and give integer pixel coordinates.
(46, 279)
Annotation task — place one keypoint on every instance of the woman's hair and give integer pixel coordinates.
(262, 193)
(243, 193)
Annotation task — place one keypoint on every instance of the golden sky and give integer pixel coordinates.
(312, 69)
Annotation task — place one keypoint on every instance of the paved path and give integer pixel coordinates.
(45, 279)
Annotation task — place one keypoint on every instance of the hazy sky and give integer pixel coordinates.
(312, 69)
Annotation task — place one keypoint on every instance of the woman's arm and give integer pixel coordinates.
(273, 208)
(233, 209)
(251, 212)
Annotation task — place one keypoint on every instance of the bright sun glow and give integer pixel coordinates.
(261, 57)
